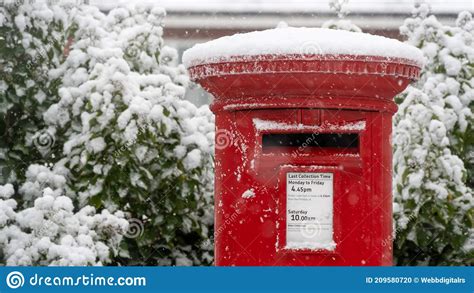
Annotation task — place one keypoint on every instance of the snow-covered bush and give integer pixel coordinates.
(133, 143)
(51, 232)
(38, 223)
(433, 137)
(123, 138)
(32, 39)
(340, 8)
(433, 142)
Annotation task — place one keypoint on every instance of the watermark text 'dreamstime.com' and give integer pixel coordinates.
(16, 280)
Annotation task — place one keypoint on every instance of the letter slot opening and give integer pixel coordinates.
(310, 142)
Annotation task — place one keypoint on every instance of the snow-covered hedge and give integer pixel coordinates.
(433, 139)
(96, 99)
(51, 233)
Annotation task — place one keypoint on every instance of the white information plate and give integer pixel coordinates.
(309, 210)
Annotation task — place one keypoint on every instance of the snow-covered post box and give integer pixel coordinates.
(303, 143)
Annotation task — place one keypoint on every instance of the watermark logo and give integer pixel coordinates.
(44, 141)
(223, 139)
(311, 230)
(15, 280)
(132, 51)
(310, 48)
(135, 228)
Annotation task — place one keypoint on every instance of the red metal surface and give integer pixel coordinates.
(308, 95)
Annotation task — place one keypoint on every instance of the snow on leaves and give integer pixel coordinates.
(434, 205)
(123, 140)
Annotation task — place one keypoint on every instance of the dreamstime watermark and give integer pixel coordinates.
(136, 228)
(223, 139)
(238, 209)
(132, 51)
(36, 59)
(310, 230)
(389, 240)
(310, 48)
(307, 142)
(207, 244)
(120, 151)
(44, 141)
(41, 53)
(16, 279)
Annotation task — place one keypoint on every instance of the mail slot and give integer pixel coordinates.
(310, 140)
(304, 175)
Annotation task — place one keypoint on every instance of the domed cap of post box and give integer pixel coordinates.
(304, 67)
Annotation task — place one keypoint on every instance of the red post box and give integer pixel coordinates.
(303, 144)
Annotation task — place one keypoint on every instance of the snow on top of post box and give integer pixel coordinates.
(299, 41)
